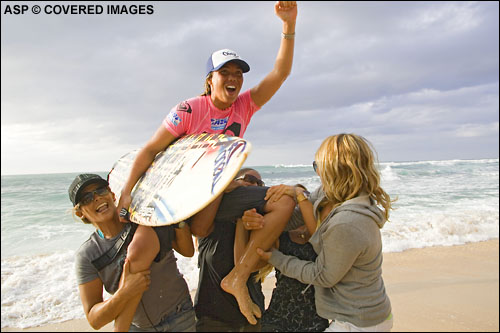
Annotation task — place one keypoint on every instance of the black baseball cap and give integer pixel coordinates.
(80, 182)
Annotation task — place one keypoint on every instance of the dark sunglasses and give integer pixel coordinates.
(89, 197)
(251, 179)
(315, 166)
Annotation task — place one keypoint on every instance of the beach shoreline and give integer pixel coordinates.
(432, 289)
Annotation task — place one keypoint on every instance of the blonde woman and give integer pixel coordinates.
(350, 208)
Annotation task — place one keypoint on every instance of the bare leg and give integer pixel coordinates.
(141, 252)
(241, 238)
(202, 223)
(277, 215)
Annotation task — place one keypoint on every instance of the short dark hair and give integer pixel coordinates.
(244, 171)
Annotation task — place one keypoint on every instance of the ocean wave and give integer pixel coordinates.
(388, 174)
(40, 289)
(293, 166)
(440, 162)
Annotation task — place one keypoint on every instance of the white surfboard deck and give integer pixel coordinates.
(183, 179)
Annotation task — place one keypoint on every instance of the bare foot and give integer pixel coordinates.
(238, 288)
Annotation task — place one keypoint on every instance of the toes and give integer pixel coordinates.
(252, 320)
(256, 310)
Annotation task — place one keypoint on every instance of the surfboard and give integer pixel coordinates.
(183, 179)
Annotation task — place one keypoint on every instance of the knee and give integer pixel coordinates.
(201, 230)
(285, 203)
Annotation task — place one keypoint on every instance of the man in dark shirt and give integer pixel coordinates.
(217, 310)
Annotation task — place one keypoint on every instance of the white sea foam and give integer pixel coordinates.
(387, 174)
(39, 289)
(293, 165)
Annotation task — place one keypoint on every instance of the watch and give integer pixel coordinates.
(301, 197)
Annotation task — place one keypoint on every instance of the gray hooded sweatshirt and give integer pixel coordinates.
(347, 273)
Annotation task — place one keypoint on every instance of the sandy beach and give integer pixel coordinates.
(436, 289)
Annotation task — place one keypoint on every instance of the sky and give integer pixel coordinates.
(419, 80)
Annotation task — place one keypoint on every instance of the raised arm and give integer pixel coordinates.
(262, 92)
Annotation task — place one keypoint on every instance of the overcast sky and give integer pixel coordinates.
(420, 80)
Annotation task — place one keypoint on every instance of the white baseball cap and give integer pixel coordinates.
(221, 57)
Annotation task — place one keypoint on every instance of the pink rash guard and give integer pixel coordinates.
(199, 115)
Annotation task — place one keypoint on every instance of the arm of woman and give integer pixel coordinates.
(305, 206)
(307, 210)
(183, 242)
(340, 249)
(262, 92)
(99, 312)
(160, 140)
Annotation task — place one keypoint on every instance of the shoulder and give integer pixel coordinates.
(193, 103)
(86, 247)
(246, 98)
(186, 107)
(316, 194)
(342, 221)
(89, 250)
(349, 224)
(245, 95)
(245, 101)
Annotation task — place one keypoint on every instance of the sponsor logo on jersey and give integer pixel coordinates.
(184, 107)
(218, 124)
(174, 118)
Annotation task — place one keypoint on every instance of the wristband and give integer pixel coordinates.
(288, 36)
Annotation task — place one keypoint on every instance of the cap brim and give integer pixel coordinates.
(241, 63)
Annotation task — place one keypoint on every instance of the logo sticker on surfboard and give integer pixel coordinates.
(183, 179)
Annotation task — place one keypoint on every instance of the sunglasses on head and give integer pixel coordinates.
(251, 179)
(89, 196)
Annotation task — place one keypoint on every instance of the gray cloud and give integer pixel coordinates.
(418, 79)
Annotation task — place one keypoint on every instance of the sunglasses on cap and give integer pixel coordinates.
(251, 179)
(89, 197)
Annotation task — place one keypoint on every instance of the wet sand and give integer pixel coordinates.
(436, 289)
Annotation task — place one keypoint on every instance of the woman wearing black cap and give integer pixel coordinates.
(151, 296)
(221, 109)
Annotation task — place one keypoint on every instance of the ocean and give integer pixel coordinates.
(440, 203)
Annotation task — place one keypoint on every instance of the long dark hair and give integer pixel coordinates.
(208, 90)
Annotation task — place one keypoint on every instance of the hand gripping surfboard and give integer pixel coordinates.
(183, 179)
